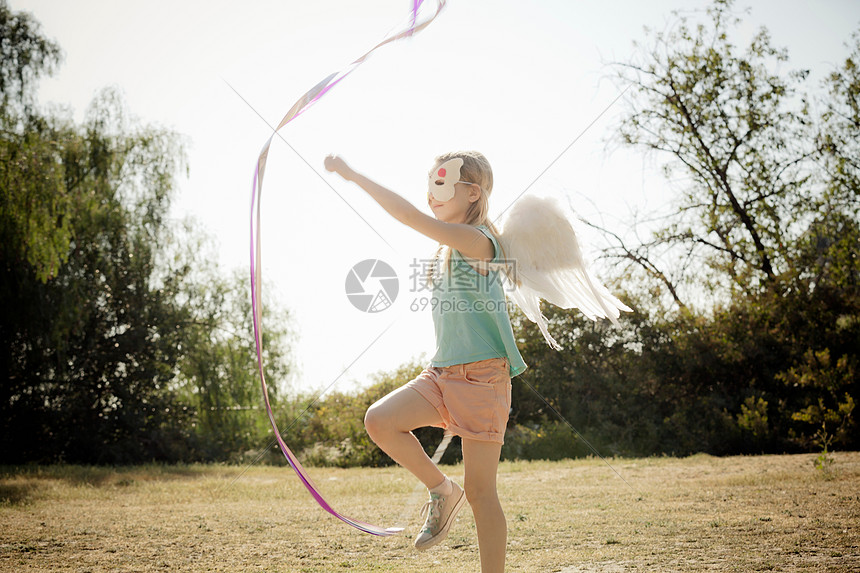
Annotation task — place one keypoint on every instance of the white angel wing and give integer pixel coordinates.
(544, 261)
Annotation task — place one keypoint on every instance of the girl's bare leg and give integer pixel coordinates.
(390, 422)
(481, 460)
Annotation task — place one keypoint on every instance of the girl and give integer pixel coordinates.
(467, 386)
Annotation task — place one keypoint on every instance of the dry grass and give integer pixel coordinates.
(769, 513)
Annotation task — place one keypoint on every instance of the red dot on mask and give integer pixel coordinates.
(442, 172)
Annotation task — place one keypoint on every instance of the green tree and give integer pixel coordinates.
(329, 430)
(34, 210)
(727, 121)
(765, 225)
(837, 134)
(218, 373)
(88, 355)
(88, 341)
(118, 342)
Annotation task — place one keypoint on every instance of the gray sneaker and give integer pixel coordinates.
(440, 512)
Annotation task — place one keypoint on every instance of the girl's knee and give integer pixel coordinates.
(478, 493)
(375, 420)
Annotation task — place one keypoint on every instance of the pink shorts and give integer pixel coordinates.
(473, 399)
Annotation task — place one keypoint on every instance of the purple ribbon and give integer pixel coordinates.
(303, 103)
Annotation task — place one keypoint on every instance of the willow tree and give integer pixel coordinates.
(88, 337)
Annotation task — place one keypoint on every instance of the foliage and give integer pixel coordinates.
(334, 431)
(217, 372)
(766, 225)
(765, 235)
(87, 343)
(34, 221)
(95, 347)
(547, 440)
(26, 55)
(836, 136)
(726, 119)
(114, 325)
(117, 342)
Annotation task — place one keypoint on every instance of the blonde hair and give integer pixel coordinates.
(476, 169)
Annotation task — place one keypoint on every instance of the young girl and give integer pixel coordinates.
(467, 386)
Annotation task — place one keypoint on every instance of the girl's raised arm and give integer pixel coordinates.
(471, 242)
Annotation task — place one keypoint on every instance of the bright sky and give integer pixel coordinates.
(516, 80)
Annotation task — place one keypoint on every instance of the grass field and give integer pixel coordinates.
(767, 513)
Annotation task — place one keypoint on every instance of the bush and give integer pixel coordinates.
(550, 440)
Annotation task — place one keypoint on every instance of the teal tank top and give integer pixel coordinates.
(470, 315)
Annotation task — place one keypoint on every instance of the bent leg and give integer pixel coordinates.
(482, 462)
(390, 422)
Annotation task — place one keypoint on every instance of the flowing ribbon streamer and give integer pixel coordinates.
(312, 96)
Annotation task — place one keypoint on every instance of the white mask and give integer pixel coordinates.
(442, 180)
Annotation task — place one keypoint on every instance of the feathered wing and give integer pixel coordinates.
(544, 261)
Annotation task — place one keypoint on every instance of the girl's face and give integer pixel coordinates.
(454, 210)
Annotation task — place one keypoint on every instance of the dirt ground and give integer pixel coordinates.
(764, 513)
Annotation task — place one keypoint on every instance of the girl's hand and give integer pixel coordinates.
(337, 165)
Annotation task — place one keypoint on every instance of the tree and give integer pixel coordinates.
(837, 135)
(117, 343)
(766, 224)
(93, 346)
(728, 122)
(34, 212)
(88, 341)
(217, 372)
